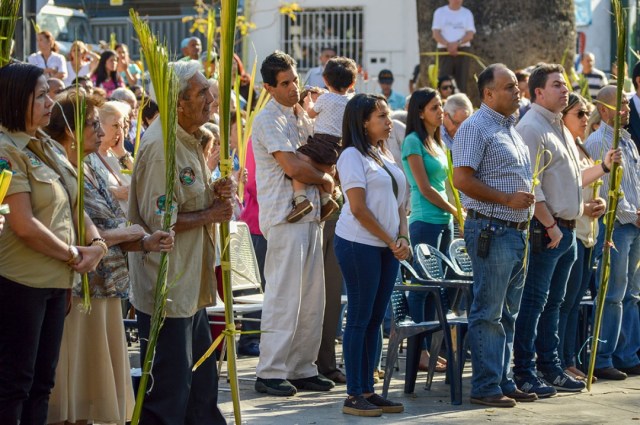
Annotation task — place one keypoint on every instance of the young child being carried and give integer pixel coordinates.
(322, 149)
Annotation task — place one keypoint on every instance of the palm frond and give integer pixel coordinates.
(9, 13)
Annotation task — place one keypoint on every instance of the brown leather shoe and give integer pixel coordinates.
(327, 209)
(634, 370)
(300, 210)
(610, 373)
(494, 401)
(522, 397)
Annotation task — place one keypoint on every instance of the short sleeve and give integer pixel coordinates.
(320, 104)
(11, 159)
(412, 146)
(351, 170)
(272, 134)
(437, 21)
(468, 146)
(470, 25)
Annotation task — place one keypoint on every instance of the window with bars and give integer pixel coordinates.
(313, 29)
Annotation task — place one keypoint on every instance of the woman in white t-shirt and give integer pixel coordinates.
(370, 239)
(81, 62)
(47, 58)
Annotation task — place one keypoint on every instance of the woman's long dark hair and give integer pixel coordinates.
(101, 71)
(17, 85)
(356, 113)
(419, 99)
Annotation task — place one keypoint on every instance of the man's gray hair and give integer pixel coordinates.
(456, 102)
(123, 94)
(185, 70)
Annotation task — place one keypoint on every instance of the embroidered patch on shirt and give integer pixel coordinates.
(5, 164)
(187, 176)
(34, 160)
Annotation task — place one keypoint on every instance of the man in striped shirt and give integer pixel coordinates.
(595, 78)
(620, 333)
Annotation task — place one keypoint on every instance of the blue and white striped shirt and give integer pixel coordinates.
(489, 143)
(598, 144)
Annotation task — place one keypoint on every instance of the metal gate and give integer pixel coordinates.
(313, 29)
(170, 29)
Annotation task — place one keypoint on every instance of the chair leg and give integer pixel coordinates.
(434, 353)
(413, 360)
(459, 354)
(446, 330)
(392, 358)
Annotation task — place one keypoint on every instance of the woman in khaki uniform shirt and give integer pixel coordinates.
(39, 258)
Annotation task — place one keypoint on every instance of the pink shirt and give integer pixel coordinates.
(251, 212)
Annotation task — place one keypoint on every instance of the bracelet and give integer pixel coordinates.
(405, 238)
(74, 254)
(605, 168)
(142, 248)
(555, 223)
(102, 243)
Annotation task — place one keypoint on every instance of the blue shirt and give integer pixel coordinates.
(448, 140)
(396, 101)
(489, 143)
(598, 144)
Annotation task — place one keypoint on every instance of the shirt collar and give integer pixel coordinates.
(498, 117)
(608, 131)
(286, 110)
(552, 117)
(189, 139)
(20, 139)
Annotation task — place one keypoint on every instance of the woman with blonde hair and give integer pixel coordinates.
(48, 58)
(81, 62)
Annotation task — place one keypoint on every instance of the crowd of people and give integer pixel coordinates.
(339, 187)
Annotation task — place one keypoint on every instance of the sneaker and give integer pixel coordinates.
(359, 406)
(563, 382)
(313, 383)
(277, 387)
(494, 401)
(610, 373)
(387, 406)
(327, 209)
(299, 210)
(535, 385)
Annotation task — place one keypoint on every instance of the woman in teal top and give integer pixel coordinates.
(425, 165)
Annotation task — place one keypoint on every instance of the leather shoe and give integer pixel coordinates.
(252, 349)
(494, 401)
(337, 377)
(522, 397)
(634, 370)
(610, 373)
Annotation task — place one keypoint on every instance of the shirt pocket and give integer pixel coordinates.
(46, 188)
(192, 192)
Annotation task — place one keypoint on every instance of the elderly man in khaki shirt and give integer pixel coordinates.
(178, 395)
(559, 203)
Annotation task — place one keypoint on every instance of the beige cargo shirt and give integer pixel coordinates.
(191, 263)
(41, 169)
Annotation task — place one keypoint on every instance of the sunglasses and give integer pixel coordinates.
(582, 113)
(448, 87)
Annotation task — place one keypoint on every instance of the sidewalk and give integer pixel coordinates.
(610, 402)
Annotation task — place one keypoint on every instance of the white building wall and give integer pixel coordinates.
(390, 31)
(598, 34)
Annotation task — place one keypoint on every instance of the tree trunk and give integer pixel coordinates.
(516, 33)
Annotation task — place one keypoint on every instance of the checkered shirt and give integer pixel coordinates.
(489, 143)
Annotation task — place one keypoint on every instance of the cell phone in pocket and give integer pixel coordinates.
(484, 243)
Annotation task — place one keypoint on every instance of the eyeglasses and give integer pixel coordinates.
(95, 124)
(447, 87)
(582, 113)
(456, 123)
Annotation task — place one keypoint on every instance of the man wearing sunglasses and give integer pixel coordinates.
(446, 86)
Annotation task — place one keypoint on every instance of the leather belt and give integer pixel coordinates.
(569, 224)
(522, 225)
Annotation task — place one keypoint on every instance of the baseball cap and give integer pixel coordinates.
(385, 76)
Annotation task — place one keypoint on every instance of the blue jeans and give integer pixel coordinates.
(498, 281)
(369, 273)
(620, 331)
(576, 287)
(537, 324)
(438, 236)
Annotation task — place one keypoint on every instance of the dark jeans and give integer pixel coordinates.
(438, 236)
(537, 323)
(31, 323)
(576, 288)
(457, 66)
(179, 396)
(260, 248)
(370, 273)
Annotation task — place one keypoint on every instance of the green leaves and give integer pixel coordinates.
(9, 12)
